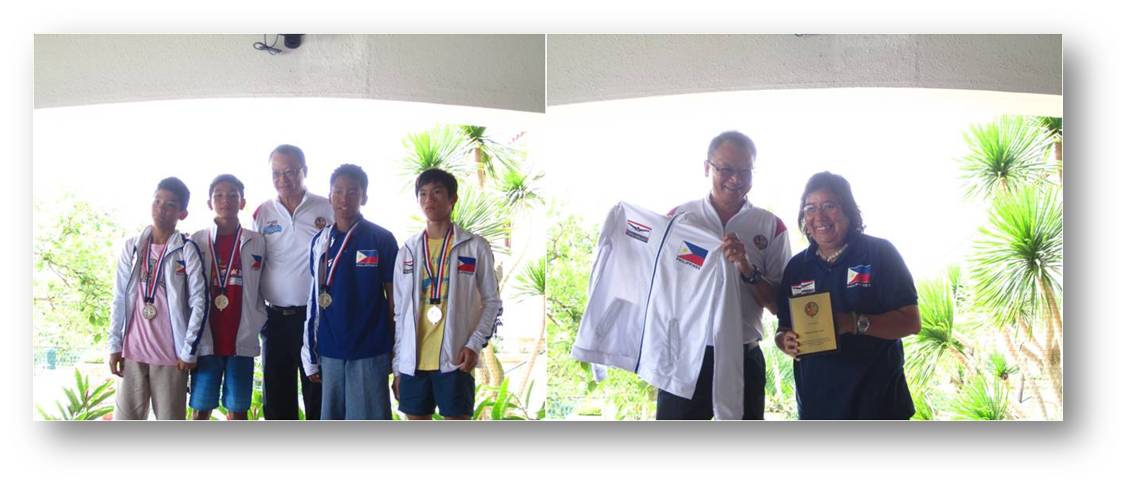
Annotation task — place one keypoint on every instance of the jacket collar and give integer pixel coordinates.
(175, 241)
(460, 236)
(214, 230)
(711, 212)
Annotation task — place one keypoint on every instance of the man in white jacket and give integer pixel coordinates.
(159, 306)
(446, 306)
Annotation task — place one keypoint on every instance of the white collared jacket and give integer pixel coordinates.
(252, 315)
(473, 302)
(185, 287)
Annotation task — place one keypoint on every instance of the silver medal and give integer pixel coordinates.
(434, 314)
(149, 311)
(221, 302)
(324, 300)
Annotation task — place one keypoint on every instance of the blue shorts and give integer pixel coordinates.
(356, 389)
(453, 392)
(236, 373)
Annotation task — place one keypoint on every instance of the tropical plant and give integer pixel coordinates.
(979, 400)
(83, 403)
(438, 148)
(779, 374)
(1008, 153)
(938, 344)
(519, 188)
(999, 367)
(497, 403)
(1017, 269)
(530, 284)
(486, 153)
(481, 213)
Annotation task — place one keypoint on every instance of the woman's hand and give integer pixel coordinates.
(788, 342)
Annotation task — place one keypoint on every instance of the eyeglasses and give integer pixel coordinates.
(828, 207)
(727, 172)
(289, 173)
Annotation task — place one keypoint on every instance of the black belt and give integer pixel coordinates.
(288, 311)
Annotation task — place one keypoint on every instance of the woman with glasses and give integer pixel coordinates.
(874, 305)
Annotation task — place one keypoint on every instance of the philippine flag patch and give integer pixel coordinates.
(858, 276)
(467, 264)
(180, 269)
(638, 231)
(367, 258)
(803, 288)
(257, 265)
(692, 254)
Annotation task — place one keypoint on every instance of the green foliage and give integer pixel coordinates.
(487, 153)
(999, 367)
(530, 282)
(519, 188)
(74, 263)
(980, 400)
(779, 374)
(937, 345)
(482, 213)
(1006, 154)
(83, 403)
(1020, 255)
(497, 403)
(441, 147)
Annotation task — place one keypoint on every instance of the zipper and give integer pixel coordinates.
(654, 271)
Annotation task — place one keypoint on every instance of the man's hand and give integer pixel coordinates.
(185, 367)
(734, 251)
(315, 378)
(467, 360)
(788, 342)
(395, 386)
(116, 364)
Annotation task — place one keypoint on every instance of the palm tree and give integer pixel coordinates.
(1007, 153)
(530, 284)
(483, 214)
(979, 400)
(938, 344)
(1052, 126)
(485, 152)
(437, 148)
(1017, 270)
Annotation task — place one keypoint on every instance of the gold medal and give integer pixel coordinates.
(434, 314)
(149, 311)
(221, 302)
(324, 299)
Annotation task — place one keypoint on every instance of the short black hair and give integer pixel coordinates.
(292, 151)
(734, 137)
(840, 187)
(228, 178)
(350, 170)
(175, 186)
(437, 176)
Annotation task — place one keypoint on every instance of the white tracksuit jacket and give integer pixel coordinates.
(252, 312)
(660, 293)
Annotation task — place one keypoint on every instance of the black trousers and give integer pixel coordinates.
(281, 360)
(700, 407)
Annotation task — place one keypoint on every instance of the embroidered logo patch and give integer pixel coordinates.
(271, 228)
(467, 264)
(760, 241)
(257, 265)
(320, 222)
(858, 276)
(803, 288)
(692, 254)
(367, 258)
(180, 269)
(638, 231)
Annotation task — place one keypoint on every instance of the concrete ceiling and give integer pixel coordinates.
(493, 71)
(585, 68)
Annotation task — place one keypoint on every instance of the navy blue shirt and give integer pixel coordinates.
(356, 325)
(865, 377)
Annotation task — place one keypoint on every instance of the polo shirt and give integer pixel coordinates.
(865, 377)
(285, 276)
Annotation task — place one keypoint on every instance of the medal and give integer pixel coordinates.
(434, 314)
(221, 300)
(149, 311)
(324, 299)
(151, 280)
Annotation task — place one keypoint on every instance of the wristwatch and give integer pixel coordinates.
(862, 325)
(755, 278)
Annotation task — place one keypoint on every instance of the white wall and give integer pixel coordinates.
(586, 68)
(493, 71)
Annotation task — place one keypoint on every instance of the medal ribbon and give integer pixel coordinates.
(328, 280)
(226, 276)
(437, 284)
(150, 290)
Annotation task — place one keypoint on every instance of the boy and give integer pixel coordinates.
(446, 305)
(233, 262)
(348, 331)
(158, 308)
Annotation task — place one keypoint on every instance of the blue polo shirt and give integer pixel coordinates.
(356, 324)
(865, 377)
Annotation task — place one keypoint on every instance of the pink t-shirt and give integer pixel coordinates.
(150, 341)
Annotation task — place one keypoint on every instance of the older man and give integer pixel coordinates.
(755, 240)
(288, 223)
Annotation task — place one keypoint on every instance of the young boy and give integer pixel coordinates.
(446, 305)
(348, 331)
(158, 308)
(233, 262)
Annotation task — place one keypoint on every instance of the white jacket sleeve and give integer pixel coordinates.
(119, 312)
(197, 300)
(491, 298)
(400, 307)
